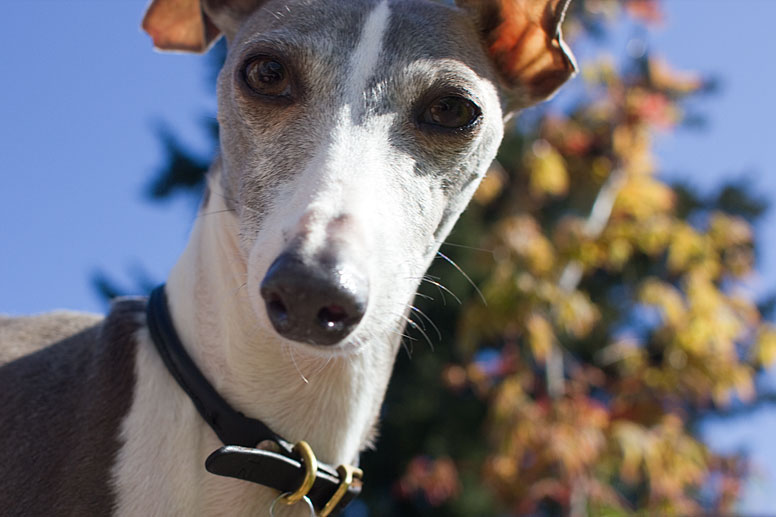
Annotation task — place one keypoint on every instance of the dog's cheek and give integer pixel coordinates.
(448, 196)
(259, 260)
(455, 207)
(420, 206)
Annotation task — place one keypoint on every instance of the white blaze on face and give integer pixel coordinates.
(346, 175)
(364, 60)
(346, 170)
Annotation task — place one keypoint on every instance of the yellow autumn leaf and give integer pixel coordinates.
(547, 168)
(631, 439)
(575, 313)
(725, 230)
(642, 197)
(632, 144)
(765, 346)
(687, 247)
(743, 383)
(523, 236)
(540, 336)
(663, 76)
(620, 251)
(654, 233)
(492, 184)
(667, 298)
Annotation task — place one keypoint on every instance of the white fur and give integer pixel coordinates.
(160, 467)
(364, 59)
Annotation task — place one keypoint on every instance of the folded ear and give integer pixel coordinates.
(523, 39)
(194, 25)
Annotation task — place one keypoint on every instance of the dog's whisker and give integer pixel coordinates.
(452, 263)
(421, 323)
(321, 367)
(473, 248)
(400, 334)
(407, 342)
(233, 201)
(422, 277)
(290, 350)
(442, 290)
(412, 323)
(223, 196)
(424, 316)
(215, 212)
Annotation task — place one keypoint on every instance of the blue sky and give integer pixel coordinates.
(82, 92)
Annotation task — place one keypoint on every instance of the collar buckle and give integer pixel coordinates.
(311, 470)
(347, 474)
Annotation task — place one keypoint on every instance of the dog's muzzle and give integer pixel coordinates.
(318, 301)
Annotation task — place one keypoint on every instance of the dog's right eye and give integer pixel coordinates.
(267, 76)
(451, 113)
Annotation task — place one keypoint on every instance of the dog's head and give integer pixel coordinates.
(353, 134)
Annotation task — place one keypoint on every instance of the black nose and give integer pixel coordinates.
(317, 302)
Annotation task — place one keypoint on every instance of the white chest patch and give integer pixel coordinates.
(160, 468)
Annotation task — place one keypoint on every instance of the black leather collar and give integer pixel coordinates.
(282, 470)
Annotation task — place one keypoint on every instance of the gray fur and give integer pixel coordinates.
(61, 410)
(26, 334)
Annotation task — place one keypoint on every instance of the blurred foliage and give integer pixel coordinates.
(615, 316)
(182, 171)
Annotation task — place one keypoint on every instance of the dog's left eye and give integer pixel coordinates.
(267, 76)
(451, 112)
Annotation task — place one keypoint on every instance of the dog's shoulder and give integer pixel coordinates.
(26, 334)
(63, 404)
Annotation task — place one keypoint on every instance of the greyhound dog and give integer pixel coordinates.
(352, 135)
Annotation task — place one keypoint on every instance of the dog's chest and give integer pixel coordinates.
(159, 469)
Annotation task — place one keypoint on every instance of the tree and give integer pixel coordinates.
(608, 320)
(612, 321)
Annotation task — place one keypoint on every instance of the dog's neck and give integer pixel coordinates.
(332, 403)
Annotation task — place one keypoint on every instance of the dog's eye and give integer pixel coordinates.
(267, 76)
(451, 112)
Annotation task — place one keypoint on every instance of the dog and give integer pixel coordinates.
(352, 135)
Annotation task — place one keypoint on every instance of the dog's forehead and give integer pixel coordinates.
(416, 29)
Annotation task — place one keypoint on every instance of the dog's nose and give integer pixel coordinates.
(317, 302)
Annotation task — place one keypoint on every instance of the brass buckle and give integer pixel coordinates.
(311, 469)
(346, 474)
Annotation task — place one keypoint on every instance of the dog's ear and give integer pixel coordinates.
(194, 25)
(523, 39)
